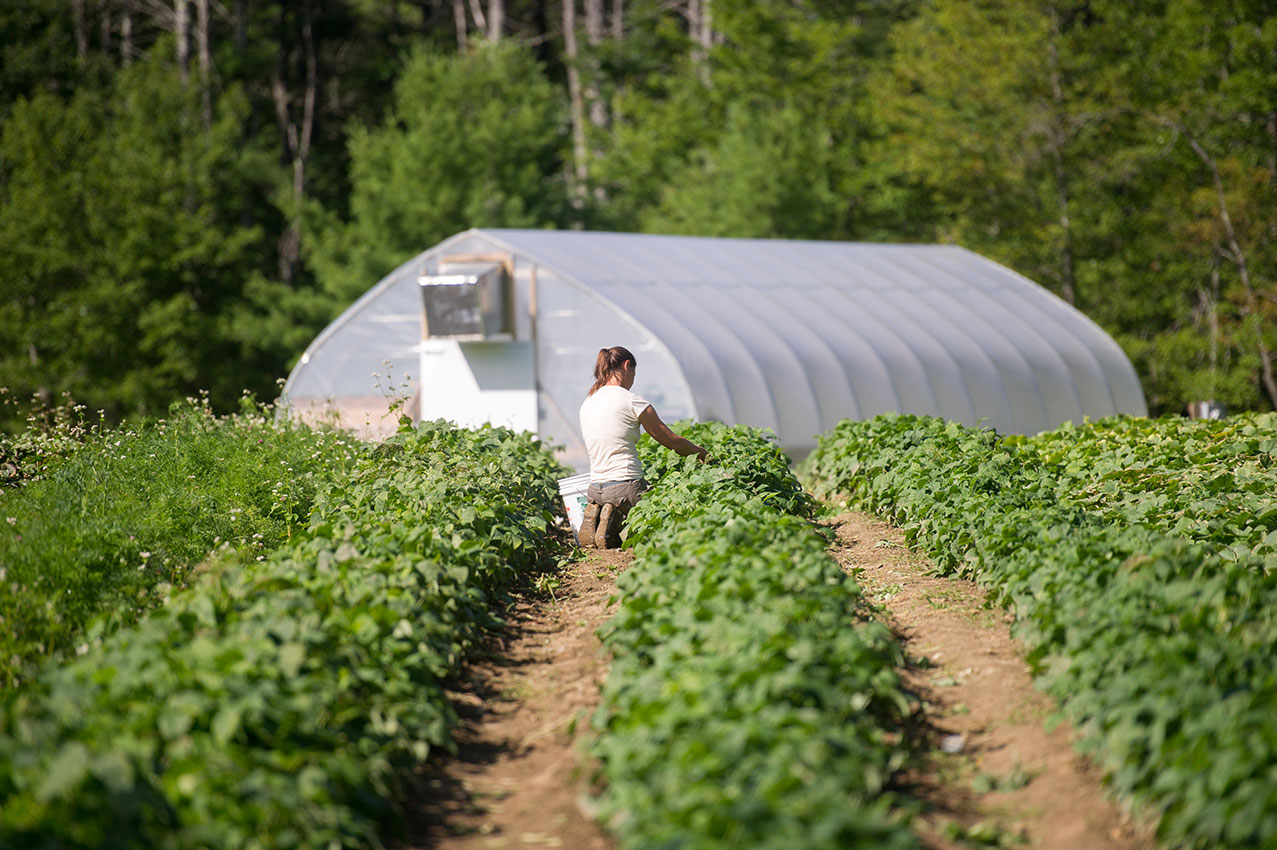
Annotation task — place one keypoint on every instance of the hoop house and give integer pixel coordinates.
(503, 326)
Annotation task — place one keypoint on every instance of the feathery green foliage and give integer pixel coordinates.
(120, 518)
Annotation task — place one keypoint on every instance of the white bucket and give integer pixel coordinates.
(573, 492)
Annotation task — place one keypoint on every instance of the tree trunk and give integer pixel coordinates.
(694, 29)
(459, 18)
(1068, 283)
(594, 37)
(701, 31)
(181, 32)
(580, 171)
(81, 28)
(1238, 259)
(496, 19)
(296, 138)
(205, 60)
(1210, 304)
(618, 19)
(1272, 149)
(480, 22)
(126, 37)
(105, 31)
(594, 22)
(240, 26)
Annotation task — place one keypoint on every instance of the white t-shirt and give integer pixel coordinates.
(610, 427)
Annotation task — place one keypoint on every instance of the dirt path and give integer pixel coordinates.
(516, 782)
(1007, 781)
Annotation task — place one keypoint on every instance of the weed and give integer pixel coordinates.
(107, 522)
(985, 833)
(547, 583)
(1017, 778)
(886, 594)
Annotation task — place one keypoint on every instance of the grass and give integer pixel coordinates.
(985, 782)
(104, 523)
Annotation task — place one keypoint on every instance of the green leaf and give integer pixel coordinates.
(65, 773)
(291, 658)
(226, 723)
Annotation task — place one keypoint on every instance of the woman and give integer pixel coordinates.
(610, 420)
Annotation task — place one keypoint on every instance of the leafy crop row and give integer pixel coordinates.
(1152, 626)
(110, 521)
(274, 704)
(1214, 482)
(749, 703)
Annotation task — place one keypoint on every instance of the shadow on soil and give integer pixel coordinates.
(439, 802)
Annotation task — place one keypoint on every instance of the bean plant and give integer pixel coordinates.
(282, 703)
(1138, 558)
(750, 701)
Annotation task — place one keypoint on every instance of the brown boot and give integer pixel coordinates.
(608, 534)
(589, 525)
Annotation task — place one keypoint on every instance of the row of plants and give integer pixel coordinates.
(1212, 481)
(751, 702)
(280, 703)
(1157, 642)
(105, 523)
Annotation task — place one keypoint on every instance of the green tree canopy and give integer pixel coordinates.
(184, 205)
(769, 175)
(123, 245)
(471, 141)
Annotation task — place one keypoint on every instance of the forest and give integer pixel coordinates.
(191, 189)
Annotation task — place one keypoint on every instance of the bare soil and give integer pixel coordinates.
(517, 780)
(994, 775)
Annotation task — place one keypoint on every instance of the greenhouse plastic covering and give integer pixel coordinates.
(788, 335)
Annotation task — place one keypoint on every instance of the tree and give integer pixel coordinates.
(991, 109)
(471, 141)
(1202, 142)
(769, 175)
(124, 245)
(37, 51)
(686, 79)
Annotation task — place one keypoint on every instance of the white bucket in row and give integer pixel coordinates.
(573, 492)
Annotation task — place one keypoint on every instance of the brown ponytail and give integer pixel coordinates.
(609, 364)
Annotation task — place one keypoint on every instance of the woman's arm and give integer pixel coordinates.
(651, 422)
